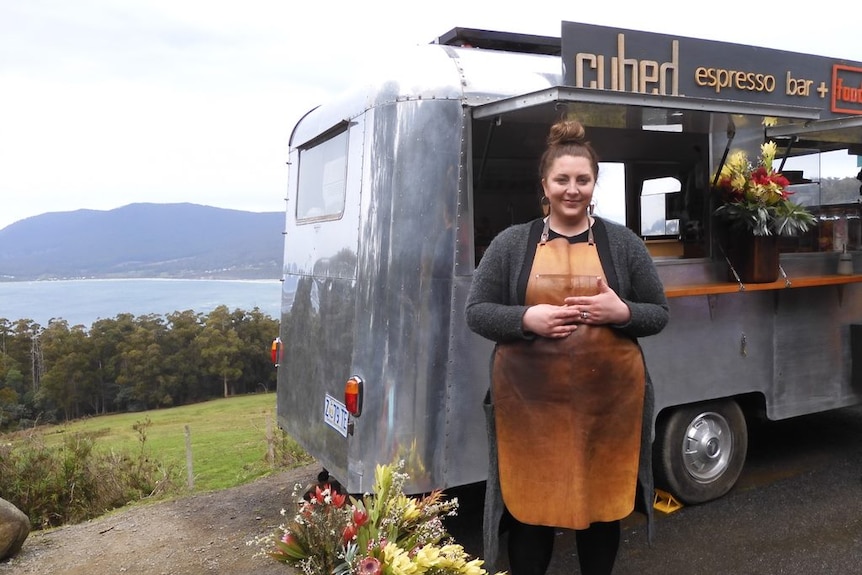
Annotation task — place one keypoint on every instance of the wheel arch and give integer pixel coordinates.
(753, 405)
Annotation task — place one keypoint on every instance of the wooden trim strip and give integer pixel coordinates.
(782, 283)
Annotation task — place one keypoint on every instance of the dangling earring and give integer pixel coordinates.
(591, 208)
(546, 206)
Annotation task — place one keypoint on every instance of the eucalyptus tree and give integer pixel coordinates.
(23, 347)
(220, 348)
(69, 378)
(7, 362)
(142, 368)
(256, 330)
(184, 364)
(106, 337)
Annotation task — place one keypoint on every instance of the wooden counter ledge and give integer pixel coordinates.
(782, 283)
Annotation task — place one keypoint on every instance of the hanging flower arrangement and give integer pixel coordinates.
(755, 198)
(382, 533)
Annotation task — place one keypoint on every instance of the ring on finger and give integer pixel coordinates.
(585, 315)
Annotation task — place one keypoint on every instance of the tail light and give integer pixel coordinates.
(353, 395)
(276, 351)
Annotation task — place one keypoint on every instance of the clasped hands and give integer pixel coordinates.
(557, 321)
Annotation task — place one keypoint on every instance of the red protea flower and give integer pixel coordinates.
(319, 494)
(760, 176)
(287, 549)
(339, 499)
(360, 516)
(369, 566)
(348, 534)
(780, 181)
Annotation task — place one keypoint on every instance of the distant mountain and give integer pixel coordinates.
(144, 240)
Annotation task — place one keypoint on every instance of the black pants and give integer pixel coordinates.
(531, 546)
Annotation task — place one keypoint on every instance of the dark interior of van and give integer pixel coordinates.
(673, 221)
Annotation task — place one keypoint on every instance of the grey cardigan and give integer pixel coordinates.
(493, 307)
(494, 310)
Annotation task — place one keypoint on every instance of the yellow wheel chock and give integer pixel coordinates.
(665, 502)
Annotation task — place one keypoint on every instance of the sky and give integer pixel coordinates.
(104, 103)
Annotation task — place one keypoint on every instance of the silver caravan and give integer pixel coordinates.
(395, 188)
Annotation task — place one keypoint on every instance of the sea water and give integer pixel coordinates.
(84, 301)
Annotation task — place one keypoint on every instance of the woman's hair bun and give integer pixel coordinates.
(567, 132)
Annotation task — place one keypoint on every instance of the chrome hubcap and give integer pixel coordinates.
(707, 447)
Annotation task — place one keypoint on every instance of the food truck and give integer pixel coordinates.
(395, 188)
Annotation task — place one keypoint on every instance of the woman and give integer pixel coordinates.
(570, 406)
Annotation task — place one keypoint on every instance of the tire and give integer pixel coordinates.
(700, 450)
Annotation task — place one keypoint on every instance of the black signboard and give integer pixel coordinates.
(607, 58)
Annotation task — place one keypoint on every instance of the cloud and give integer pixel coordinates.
(119, 107)
(109, 102)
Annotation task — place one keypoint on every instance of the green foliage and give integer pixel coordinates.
(72, 472)
(127, 363)
(72, 482)
(228, 437)
(785, 219)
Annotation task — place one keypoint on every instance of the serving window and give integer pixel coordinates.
(652, 181)
(678, 141)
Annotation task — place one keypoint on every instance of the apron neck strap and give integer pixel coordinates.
(546, 230)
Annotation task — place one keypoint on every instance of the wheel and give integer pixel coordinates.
(700, 450)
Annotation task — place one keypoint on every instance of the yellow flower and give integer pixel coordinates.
(473, 567)
(767, 154)
(451, 557)
(398, 560)
(738, 181)
(427, 557)
(409, 511)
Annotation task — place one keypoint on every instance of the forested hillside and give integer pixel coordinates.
(57, 373)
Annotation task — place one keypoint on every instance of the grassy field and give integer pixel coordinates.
(228, 438)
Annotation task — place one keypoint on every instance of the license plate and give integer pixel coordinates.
(335, 414)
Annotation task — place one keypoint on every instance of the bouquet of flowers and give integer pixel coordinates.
(383, 533)
(756, 198)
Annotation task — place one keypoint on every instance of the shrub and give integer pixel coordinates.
(73, 482)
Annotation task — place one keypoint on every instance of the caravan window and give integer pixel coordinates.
(659, 207)
(609, 197)
(322, 179)
(828, 185)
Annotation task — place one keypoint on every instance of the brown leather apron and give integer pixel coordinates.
(568, 411)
